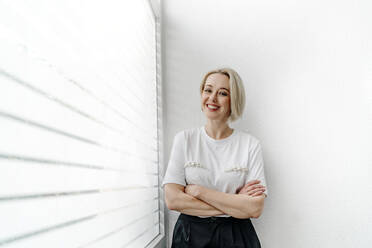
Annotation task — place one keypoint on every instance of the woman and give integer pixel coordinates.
(214, 172)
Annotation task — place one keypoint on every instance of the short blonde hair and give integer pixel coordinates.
(237, 92)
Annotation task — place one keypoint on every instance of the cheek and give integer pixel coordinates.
(227, 107)
(226, 103)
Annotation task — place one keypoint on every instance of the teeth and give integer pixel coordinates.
(212, 107)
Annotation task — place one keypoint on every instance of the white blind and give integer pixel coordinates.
(78, 124)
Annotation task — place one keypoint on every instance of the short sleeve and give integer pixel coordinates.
(256, 166)
(175, 172)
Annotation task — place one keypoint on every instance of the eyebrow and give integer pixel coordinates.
(212, 87)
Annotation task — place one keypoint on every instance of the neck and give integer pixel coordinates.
(218, 130)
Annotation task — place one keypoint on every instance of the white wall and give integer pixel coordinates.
(307, 68)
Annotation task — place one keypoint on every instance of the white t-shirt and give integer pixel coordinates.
(223, 165)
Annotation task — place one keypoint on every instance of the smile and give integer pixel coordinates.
(212, 108)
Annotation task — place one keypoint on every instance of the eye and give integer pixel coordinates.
(223, 93)
(207, 90)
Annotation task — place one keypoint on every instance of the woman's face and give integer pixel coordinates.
(215, 97)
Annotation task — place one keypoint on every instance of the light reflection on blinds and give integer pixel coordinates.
(79, 124)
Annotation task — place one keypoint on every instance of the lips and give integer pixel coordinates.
(212, 107)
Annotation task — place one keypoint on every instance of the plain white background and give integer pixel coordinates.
(307, 69)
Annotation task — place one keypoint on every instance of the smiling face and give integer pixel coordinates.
(215, 98)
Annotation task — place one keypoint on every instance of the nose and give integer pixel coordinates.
(214, 97)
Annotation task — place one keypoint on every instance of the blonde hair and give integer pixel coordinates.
(237, 92)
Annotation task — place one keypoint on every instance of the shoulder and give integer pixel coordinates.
(190, 133)
(246, 137)
(187, 134)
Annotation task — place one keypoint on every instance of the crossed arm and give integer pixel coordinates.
(201, 201)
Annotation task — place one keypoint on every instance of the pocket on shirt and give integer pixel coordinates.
(237, 169)
(194, 164)
(236, 175)
(196, 173)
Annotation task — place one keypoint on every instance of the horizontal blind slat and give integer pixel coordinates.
(142, 169)
(27, 216)
(17, 178)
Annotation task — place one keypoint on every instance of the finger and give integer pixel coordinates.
(247, 189)
(244, 193)
(257, 187)
(252, 192)
(252, 182)
(255, 194)
(247, 186)
(253, 187)
(256, 191)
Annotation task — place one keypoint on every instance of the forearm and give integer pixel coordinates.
(237, 205)
(177, 200)
(190, 205)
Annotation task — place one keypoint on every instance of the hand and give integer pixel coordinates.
(252, 188)
(193, 190)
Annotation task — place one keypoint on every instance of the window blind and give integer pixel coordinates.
(78, 124)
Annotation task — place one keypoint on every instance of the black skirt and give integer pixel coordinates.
(228, 232)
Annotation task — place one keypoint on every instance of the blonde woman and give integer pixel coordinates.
(215, 176)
